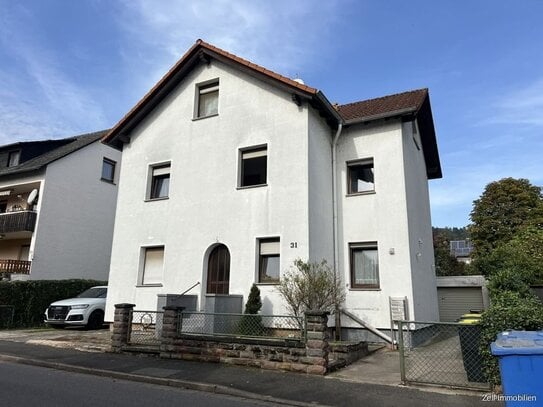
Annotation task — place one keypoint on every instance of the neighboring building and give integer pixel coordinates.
(57, 208)
(228, 176)
(461, 250)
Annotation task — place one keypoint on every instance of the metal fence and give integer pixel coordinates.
(145, 328)
(278, 327)
(443, 353)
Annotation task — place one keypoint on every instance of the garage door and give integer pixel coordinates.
(456, 301)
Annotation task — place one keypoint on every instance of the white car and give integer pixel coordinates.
(87, 309)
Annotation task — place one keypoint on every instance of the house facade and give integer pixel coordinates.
(231, 172)
(57, 208)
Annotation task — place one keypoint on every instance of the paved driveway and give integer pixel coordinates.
(71, 338)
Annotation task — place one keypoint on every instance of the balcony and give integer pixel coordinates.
(15, 266)
(20, 221)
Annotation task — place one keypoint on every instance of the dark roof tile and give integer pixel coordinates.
(383, 106)
(41, 161)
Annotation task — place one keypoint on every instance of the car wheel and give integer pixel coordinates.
(96, 320)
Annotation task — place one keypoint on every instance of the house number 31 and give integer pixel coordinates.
(293, 245)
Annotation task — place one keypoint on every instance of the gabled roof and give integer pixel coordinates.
(72, 144)
(200, 52)
(391, 105)
(414, 104)
(407, 105)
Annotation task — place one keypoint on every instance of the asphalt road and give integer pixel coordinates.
(23, 386)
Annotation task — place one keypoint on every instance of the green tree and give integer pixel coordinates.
(311, 286)
(522, 255)
(504, 208)
(446, 263)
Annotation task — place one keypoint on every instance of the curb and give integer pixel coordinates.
(183, 384)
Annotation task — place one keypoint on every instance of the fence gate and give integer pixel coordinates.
(442, 353)
(145, 329)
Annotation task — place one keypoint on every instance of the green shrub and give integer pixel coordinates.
(509, 310)
(251, 323)
(508, 280)
(31, 298)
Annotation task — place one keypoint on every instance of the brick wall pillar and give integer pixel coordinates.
(170, 324)
(317, 341)
(121, 325)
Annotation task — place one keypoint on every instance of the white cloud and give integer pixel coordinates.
(38, 99)
(523, 106)
(281, 35)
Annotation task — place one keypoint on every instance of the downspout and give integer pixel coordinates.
(335, 225)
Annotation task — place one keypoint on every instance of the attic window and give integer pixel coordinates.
(13, 158)
(208, 99)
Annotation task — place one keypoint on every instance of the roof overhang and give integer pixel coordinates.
(203, 53)
(423, 115)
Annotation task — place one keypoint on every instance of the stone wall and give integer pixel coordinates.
(345, 353)
(309, 356)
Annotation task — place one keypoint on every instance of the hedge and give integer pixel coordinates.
(509, 310)
(31, 298)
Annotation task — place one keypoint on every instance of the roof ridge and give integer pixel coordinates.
(384, 97)
(257, 67)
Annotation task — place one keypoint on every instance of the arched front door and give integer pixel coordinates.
(218, 270)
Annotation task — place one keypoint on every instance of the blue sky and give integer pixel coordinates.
(68, 67)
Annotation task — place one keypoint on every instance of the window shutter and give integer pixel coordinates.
(269, 247)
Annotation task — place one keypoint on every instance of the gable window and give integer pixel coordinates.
(160, 181)
(153, 265)
(268, 261)
(208, 99)
(254, 166)
(13, 158)
(360, 176)
(108, 170)
(364, 265)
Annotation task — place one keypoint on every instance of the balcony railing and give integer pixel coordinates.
(20, 221)
(15, 266)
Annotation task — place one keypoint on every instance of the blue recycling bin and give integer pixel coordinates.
(520, 355)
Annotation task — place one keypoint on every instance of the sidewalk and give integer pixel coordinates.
(280, 387)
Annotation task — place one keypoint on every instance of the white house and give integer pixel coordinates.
(230, 172)
(57, 208)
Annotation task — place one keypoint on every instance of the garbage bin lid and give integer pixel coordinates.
(473, 315)
(469, 321)
(518, 343)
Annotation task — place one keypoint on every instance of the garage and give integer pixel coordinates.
(458, 295)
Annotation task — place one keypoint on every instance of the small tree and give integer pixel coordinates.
(446, 263)
(254, 303)
(311, 286)
(251, 323)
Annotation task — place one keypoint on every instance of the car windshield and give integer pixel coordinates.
(94, 292)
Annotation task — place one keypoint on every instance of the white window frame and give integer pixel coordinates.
(155, 170)
(143, 266)
(272, 249)
(260, 150)
(202, 89)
